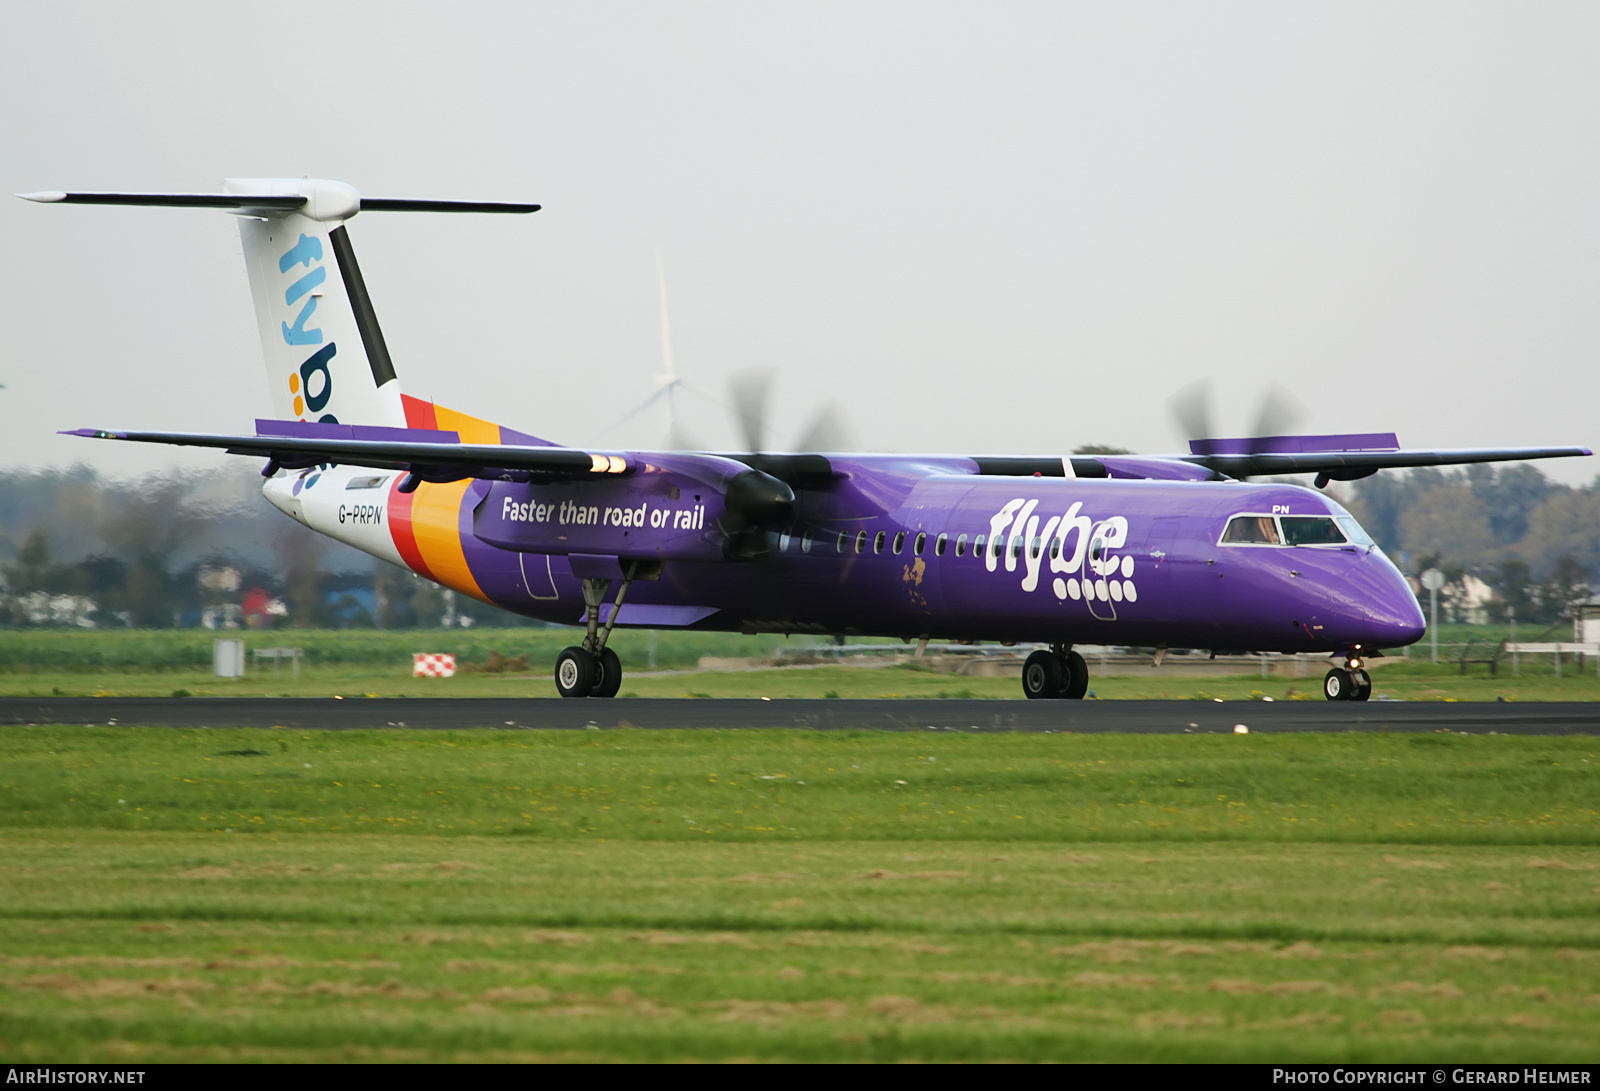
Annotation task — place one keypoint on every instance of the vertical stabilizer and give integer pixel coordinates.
(326, 359)
(325, 355)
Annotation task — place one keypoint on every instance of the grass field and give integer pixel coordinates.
(1400, 680)
(161, 663)
(274, 895)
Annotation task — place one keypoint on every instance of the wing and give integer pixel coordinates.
(427, 456)
(1351, 465)
(1331, 458)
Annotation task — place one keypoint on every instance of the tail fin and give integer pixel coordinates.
(325, 354)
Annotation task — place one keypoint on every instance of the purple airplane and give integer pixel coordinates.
(1179, 551)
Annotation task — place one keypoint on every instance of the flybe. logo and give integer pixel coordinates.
(1081, 550)
(312, 385)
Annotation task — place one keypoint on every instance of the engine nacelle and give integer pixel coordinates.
(688, 508)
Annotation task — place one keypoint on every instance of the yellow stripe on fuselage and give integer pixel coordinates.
(471, 429)
(436, 522)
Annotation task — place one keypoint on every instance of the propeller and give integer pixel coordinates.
(750, 394)
(1191, 408)
(830, 428)
(750, 390)
(1280, 412)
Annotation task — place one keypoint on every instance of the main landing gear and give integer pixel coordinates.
(593, 670)
(1349, 682)
(1056, 673)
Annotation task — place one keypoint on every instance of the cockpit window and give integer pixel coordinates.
(1312, 530)
(1252, 530)
(1354, 530)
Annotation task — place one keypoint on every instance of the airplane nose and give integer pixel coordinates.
(1395, 618)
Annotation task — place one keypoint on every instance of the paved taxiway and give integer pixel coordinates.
(1144, 717)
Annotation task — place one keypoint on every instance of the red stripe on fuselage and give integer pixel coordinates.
(419, 414)
(405, 538)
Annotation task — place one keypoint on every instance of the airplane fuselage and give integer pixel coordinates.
(900, 547)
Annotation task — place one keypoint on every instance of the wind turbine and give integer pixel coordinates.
(750, 390)
(667, 381)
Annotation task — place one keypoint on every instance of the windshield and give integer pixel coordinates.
(1312, 530)
(1354, 531)
(1252, 530)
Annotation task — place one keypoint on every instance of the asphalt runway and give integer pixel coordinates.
(1138, 717)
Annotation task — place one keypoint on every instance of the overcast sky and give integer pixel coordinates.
(985, 227)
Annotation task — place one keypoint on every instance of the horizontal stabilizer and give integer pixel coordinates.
(169, 200)
(268, 202)
(401, 204)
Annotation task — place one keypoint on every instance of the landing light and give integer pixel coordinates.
(1355, 663)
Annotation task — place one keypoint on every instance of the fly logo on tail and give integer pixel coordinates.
(312, 385)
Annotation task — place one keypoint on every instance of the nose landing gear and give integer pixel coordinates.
(1349, 682)
(1057, 673)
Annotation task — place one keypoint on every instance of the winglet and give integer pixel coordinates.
(45, 196)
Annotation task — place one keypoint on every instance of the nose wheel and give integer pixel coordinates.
(1054, 674)
(1347, 684)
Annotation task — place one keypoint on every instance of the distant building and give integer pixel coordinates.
(43, 608)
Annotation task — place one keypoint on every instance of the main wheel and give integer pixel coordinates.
(1077, 681)
(610, 675)
(1042, 676)
(576, 672)
(1362, 685)
(1337, 685)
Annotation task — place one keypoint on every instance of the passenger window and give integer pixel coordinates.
(805, 542)
(961, 546)
(877, 543)
(1055, 548)
(922, 540)
(1038, 544)
(1016, 547)
(1312, 530)
(861, 541)
(783, 542)
(1252, 530)
(844, 537)
(899, 542)
(977, 546)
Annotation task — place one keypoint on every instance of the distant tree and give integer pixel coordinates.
(1377, 502)
(33, 570)
(1100, 449)
(1509, 494)
(148, 597)
(1513, 582)
(1567, 586)
(1565, 524)
(427, 604)
(1450, 521)
(299, 551)
(392, 589)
